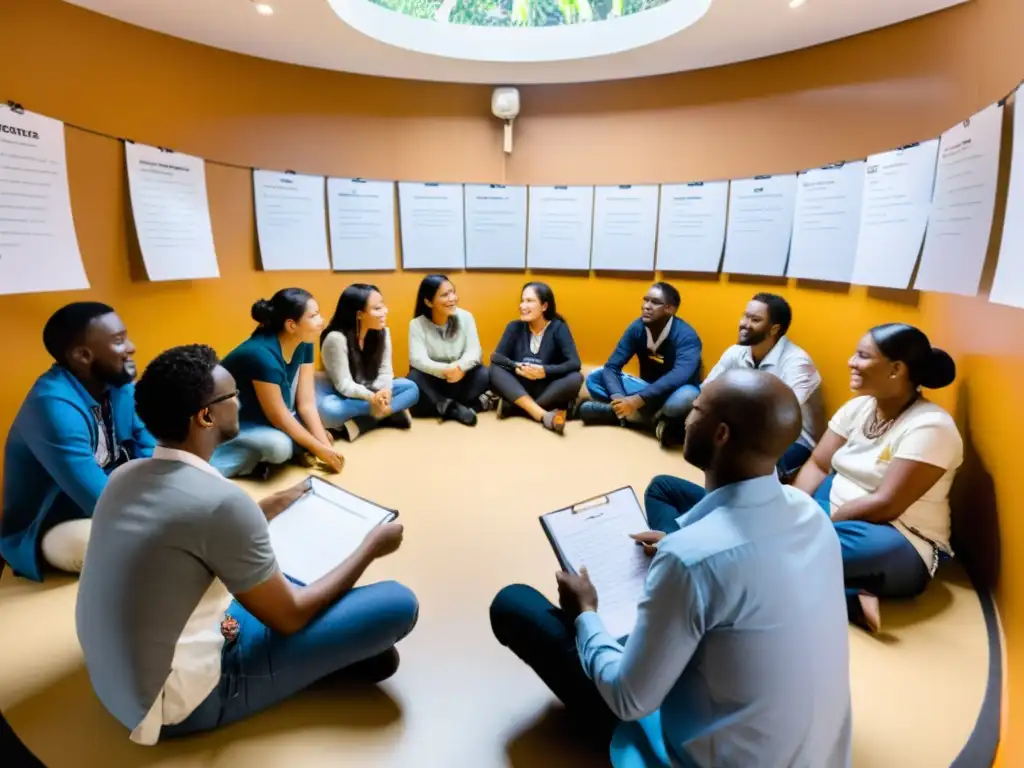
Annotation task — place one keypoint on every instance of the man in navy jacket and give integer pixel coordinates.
(76, 425)
(669, 352)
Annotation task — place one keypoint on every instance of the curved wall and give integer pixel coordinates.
(838, 101)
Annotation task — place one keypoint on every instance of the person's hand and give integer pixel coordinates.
(380, 404)
(453, 375)
(648, 540)
(383, 540)
(531, 371)
(576, 593)
(276, 503)
(625, 407)
(331, 457)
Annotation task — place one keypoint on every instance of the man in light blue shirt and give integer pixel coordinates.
(740, 654)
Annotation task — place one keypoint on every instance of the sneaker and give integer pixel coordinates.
(555, 421)
(400, 420)
(460, 413)
(670, 432)
(488, 402)
(593, 413)
(505, 409)
(351, 430)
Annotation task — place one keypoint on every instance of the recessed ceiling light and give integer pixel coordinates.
(265, 10)
(796, 3)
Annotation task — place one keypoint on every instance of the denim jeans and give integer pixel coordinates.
(261, 668)
(336, 409)
(668, 497)
(877, 558)
(255, 444)
(676, 406)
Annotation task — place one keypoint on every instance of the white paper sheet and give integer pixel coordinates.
(561, 223)
(625, 227)
(290, 220)
(826, 221)
(495, 226)
(38, 246)
(171, 213)
(361, 214)
(1008, 283)
(760, 224)
(960, 223)
(691, 226)
(314, 535)
(433, 226)
(897, 198)
(597, 537)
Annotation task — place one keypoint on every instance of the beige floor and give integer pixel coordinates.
(470, 499)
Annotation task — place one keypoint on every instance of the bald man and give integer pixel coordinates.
(740, 653)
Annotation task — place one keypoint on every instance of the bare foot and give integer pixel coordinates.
(872, 612)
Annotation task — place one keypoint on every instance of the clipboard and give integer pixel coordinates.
(594, 502)
(323, 527)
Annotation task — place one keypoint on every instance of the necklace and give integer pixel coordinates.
(875, 426)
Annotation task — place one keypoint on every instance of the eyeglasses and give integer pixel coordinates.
(221, 399)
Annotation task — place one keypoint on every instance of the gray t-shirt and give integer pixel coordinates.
(162, 530)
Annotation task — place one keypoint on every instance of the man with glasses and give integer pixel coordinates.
(184, 617)
(669, 352)
(76, 425)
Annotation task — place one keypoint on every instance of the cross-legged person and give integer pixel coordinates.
(76, 425)
(669, 352)
(536, 368)
(358, 390)
(884, 468)
(445, 355)
(277, 390)
(185, 619)
(740, 652)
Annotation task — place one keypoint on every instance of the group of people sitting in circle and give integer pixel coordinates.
(739, 654)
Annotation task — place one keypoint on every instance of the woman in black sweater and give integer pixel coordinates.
(536, 367)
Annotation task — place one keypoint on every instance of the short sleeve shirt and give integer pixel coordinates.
(924, 433)
(259, 358)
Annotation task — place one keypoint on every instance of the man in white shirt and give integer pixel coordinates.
(184, 616)
(763, 345)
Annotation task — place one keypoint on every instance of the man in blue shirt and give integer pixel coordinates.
(740, 653)
(76, 425)
(669, 352)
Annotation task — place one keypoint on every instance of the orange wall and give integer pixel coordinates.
(833, 102)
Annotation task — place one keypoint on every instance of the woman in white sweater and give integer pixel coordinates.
(445, 354)
(359, 390)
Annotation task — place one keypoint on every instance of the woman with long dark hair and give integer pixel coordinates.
(536, 368)
(273, 371)
(445, 355)
(884, 468)
(359, 390)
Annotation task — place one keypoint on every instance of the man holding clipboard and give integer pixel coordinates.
(739, 654)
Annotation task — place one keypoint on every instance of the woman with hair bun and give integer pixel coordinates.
(884, 468)
(273, 371)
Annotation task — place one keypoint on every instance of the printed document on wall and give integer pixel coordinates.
(691, 227)
(38, 247)
(362, 220)
(826, 221)
(1008, 283)
(897, 198)
(171, 213)
(290, 220)
(625, 227)
(960, 222)
(433, 228)
(495, 226)
(760, 224)
(561, 220)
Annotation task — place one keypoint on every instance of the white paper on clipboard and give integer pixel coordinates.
(595, 534)
(312, 536)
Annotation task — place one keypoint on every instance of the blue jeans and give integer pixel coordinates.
(255, 444)
(336, 409)
(666, 498)
(675, 406)
(877, 558)
(794, 458)
(261, 668)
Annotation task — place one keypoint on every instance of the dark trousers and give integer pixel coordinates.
(435, 392)
(543, 635)
(549, 394)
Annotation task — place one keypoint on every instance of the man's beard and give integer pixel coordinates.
(752, 338)
(114, 378)
(697, 450)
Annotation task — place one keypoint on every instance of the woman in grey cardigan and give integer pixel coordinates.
(445, 354)
(358, 390)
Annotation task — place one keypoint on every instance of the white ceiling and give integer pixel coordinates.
(309, 32)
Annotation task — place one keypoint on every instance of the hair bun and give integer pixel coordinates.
(262, 312)
(940, 370)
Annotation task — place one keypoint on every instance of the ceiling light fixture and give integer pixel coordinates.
(796, 3)
(263, 9)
